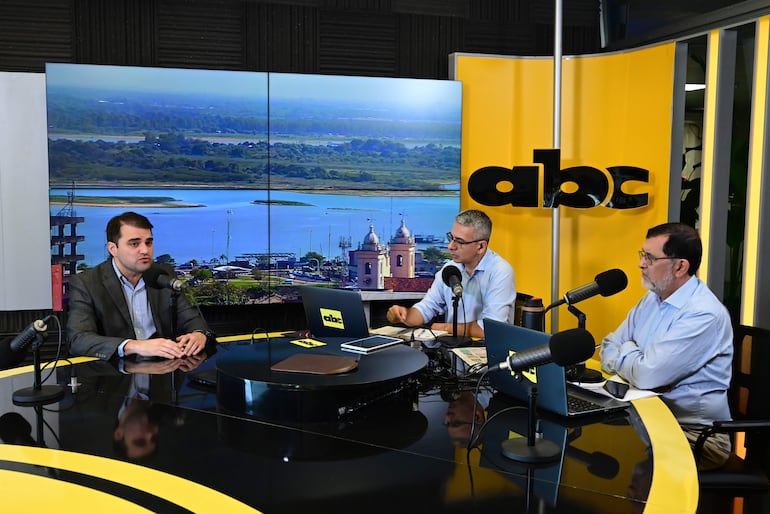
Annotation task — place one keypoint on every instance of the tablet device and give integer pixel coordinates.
(370, 344)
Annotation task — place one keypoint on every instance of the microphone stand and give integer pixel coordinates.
(455, 339)
(532, 449)
(579, 372)
(172, 302)
(38, 394)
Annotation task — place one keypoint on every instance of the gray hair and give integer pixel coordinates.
(482, 225)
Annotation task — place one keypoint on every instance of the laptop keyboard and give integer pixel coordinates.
(575, 404)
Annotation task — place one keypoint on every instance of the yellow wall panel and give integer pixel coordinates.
(616, 111)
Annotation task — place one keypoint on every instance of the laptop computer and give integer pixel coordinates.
(334, 312)
(554, 394)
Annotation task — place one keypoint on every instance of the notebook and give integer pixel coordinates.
(554, 394)
(316, 364)
(334, 312)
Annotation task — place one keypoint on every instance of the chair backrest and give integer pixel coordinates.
(749, 393)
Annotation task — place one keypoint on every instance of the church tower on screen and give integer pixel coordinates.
(372, 259)
(402, 253)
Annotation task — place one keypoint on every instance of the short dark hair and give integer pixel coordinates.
(127, 218)
(478, 220)
(683, 242)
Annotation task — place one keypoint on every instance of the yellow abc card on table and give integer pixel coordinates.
(307, 343)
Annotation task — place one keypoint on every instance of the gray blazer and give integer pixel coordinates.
(98, 319)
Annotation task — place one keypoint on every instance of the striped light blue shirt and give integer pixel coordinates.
(684, 342)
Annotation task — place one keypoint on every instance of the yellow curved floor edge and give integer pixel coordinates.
(674, 486)
(21, 493)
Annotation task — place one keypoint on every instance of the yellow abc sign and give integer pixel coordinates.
(332, 319)
(530, 373)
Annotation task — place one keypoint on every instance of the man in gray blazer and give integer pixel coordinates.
(113, 313)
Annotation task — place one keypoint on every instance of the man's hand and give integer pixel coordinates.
(397, 314)
(158, 347)
(192, 343)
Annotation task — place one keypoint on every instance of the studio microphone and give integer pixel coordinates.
(157, 277)
(29, 334)
(454, 279)
(606, 283)
(565, 348)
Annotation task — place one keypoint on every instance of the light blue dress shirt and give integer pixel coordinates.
(138, 307)
(490, 292)
(684, 342)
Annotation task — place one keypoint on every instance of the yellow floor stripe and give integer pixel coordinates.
(190, 495)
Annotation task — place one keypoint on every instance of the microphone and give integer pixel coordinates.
(454, 279)
(606, 283)
(29, 334)
(565, 348)
(157, 277)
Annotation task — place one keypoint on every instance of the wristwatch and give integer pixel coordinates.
(209, 334)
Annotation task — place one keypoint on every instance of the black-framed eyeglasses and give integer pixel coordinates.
(650, 259)
(452, 239)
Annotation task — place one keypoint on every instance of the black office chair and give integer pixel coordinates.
(749, 398)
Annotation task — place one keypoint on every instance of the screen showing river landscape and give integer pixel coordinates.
(255, 182)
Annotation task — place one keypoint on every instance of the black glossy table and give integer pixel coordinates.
(246, 382)
(187, 452)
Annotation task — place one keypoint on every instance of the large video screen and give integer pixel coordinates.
(254, 181)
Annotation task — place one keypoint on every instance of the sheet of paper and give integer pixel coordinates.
(471, 355)
(409, 333)
(632, 394)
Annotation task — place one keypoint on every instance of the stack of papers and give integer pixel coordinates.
(409, 333)
(471, 355)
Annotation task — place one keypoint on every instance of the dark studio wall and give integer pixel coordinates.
(394, 38)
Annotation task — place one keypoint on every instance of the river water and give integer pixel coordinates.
(229, 224)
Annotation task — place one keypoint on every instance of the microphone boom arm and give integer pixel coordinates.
(580, 315)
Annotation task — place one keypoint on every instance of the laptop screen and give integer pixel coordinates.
(502, 339)
(334, 312)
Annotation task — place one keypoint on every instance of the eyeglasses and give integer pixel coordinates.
(459, 242)
(650, 259)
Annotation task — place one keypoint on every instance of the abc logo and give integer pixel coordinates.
(495, 185)
(332, 319)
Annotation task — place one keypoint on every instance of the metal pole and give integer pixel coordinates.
(555, 221)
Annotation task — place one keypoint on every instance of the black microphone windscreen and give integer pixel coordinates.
(611, 281)
(8, 357)
(450, 271)
(571, 346)
(151, 276)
